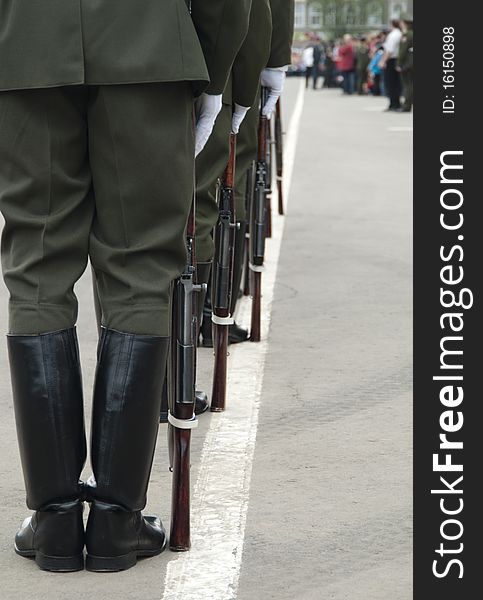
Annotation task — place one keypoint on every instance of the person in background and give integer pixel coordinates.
(318, 61)
(373, 43)
(375, 71)
(347, 64)
(405, 63)
(329, 66)
(392, 77)
(308, 61)
(336, 58)
(362, 62)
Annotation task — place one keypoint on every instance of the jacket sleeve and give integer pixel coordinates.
(221, 26)
(253, 55)
(405, 57)
(282, 33)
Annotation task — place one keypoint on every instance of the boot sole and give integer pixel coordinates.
(58, 564)
(113, 564)
(237, 340)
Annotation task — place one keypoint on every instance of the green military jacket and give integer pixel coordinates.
(48, 43)
(282, 33)
(405, 59)
(268, 44)
(362, 59)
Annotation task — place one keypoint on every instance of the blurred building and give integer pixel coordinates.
(332, 18)
(395, 8)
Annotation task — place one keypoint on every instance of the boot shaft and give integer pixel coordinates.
(239, 255)
(49, 414)
(203, 275)
(125, 416)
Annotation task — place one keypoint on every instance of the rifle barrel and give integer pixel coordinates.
(258, 223)
(279, 155)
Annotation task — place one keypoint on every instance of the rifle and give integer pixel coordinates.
(268, 182)
(222, 278)
(181, 392)
(250, 189)
(258, 222)
(279, 155)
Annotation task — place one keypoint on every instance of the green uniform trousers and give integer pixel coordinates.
(211, 163)
(99, 172)
(407, 79)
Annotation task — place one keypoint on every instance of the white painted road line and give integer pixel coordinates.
(211, 570)
(400, 129)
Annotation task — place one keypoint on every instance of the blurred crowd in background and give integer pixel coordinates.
(379, 64)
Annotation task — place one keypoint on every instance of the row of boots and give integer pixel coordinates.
(49, 411)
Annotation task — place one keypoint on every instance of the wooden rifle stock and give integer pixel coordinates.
(258, 223)
(181, 394)
(246, 269)
(279, 155)
(222, 281)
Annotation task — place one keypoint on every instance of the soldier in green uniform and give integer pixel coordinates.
(97, 149)
(266, 51)
(362, 62)
(405, 63)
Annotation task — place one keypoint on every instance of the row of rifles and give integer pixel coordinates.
(181, 376)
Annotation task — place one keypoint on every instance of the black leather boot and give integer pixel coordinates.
(239, 255)
(236, 334)
(203, 276)
(163, 411)
(54, 537)
(201, 404)
(49, 412)
(206, 333)
(205, 338)
(126, 408)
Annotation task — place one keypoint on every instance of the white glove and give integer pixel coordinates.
(207, 107)
(238, 115)
(274, 79)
